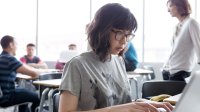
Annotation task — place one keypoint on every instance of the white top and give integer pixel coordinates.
(185, 44)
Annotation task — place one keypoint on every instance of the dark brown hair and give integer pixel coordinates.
(183, 6)
(30, 45)
(108, 17)
(6, 40)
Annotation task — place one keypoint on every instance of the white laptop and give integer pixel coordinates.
(190, 98)
(65, 56)
(189, 101)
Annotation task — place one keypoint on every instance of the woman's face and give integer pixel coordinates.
(118, 39)
(172, 9)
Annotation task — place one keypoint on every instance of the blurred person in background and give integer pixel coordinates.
(185, 42)
(65, 56)
(9, 67)
(32, 60)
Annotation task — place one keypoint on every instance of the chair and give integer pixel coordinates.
(56, 99)
(45, 90)
(47, 76)
(154, 88)
(151, 75)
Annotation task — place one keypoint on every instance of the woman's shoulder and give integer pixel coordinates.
(86, 56)
(192, 21)
(193, 24)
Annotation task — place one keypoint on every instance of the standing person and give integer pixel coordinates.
(185, 42)
(9, 67)
(130, 58)
(32, 60)
(96, 81)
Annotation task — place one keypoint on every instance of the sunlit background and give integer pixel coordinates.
(53, 24)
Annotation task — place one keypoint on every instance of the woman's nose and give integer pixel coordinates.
(123, 40)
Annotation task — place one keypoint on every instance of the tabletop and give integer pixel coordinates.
(140, 71)
(23, 76)
(43, 71)
(49, 83)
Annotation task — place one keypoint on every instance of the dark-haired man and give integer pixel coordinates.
(31, 60)
(9, 67)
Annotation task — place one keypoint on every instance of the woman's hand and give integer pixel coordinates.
(141, 107)
(167, 106)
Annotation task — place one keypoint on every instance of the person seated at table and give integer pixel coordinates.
(31, 60)
(96, 81)
(9, 67)
(65, 56)
(130, 57)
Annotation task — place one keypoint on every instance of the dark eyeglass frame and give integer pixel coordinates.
(119, 35)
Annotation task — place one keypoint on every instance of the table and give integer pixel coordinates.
(23, 76)
(173, 99)
(51, 85)
(138, 72)
(45, 74)
(50, 70)
(43, 71)
(25, 81)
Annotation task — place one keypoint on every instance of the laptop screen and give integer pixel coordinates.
(190, 98)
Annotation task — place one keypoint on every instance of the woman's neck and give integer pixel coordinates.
(181, 18)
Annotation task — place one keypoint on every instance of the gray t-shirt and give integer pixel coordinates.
(97, 84)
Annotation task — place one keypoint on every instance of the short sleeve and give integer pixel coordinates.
(71, 79)
(14, 64)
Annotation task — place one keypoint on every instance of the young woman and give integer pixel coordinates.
(185, 42)
(96, 81)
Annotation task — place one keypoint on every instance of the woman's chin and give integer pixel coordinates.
(116, 52)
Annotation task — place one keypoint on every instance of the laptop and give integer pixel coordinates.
(189, 100)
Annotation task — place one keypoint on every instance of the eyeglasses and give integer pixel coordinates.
(119, 35)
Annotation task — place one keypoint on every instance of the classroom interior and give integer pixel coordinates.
(54, 24)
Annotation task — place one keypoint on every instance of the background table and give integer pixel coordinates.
(134, 76)
(52, 86)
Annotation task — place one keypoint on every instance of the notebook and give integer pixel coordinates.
(190, 98)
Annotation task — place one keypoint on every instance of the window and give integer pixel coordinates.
(18, 19)
(158, 30)
(54, 24)
(60, 23)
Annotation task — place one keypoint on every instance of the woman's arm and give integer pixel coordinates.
(68, 103)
